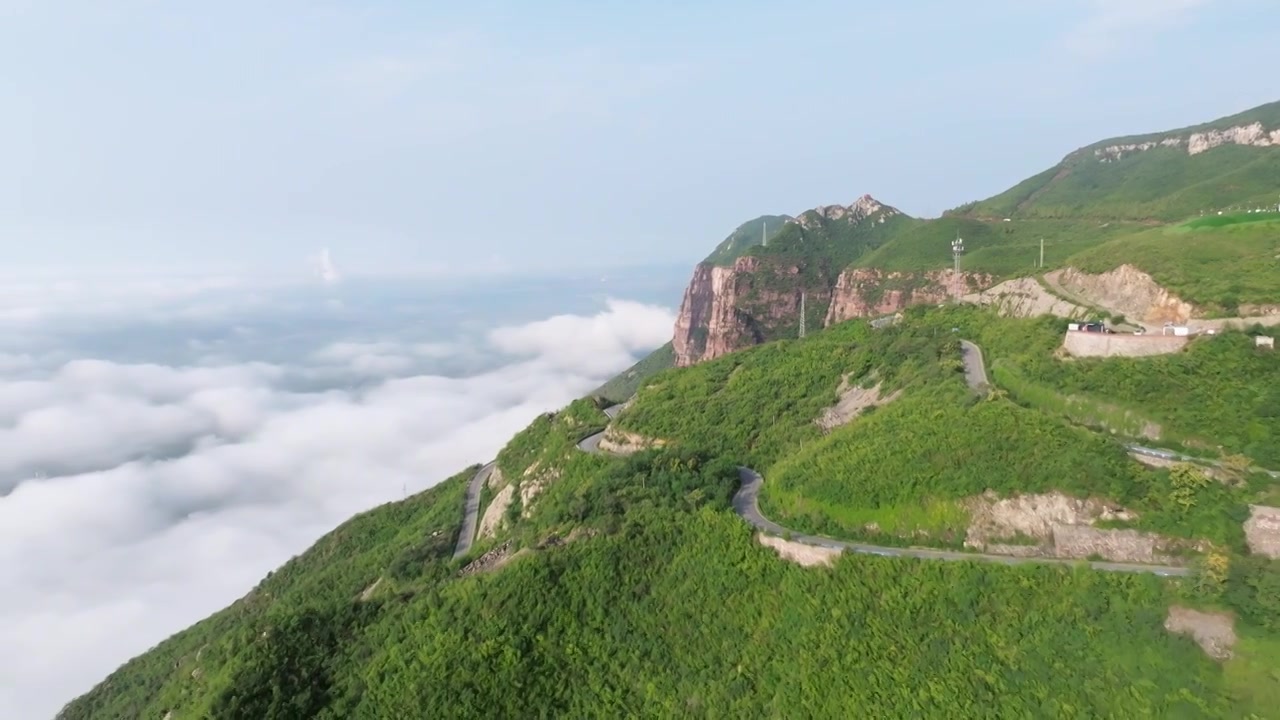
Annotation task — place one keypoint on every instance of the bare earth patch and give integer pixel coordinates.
(1024, 297)
(1215, 633)
(368, 592)
(806, 555)
(1262, 531)
(853, 400)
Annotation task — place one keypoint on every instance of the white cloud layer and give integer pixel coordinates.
(136, 499)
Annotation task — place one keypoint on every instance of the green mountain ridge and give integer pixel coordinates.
(628, 587)
(1160, 183)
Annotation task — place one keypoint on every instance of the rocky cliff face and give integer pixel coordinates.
(730, 308)
(1127, 290)
(1252, 135)
(759, 297)
(868, 292)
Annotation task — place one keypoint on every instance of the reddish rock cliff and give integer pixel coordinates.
(868, 292)
(729, 308)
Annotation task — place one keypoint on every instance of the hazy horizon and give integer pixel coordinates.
(165, 445)
(433, 139)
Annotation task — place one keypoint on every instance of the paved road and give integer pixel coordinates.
(747, 505)
(472, 508)
(975, 373)
(975, 370)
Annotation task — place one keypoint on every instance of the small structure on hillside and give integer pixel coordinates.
(1096, 326)
(1264, 341)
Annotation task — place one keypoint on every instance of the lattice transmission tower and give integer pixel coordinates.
(802, 315)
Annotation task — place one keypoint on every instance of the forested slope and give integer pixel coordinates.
(638, 592)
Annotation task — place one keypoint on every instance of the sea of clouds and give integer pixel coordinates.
(165, 444)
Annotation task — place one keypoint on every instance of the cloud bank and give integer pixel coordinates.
(138, 498)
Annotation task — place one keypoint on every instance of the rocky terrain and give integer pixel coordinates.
(799, 553)
(1262, 531)
(1057, 525)
(1253, 135)
(1215, 633)
(867, 292)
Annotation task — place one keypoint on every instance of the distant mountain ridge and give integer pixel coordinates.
(870, 258)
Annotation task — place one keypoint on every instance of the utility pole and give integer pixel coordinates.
(1041, 252)
(957, 249)
(801, 314)
(764, 233)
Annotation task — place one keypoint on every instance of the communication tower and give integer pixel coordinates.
(957, 249)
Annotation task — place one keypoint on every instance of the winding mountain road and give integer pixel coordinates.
(472, 509)
(975, 370)
(746, 503)
(975, 373)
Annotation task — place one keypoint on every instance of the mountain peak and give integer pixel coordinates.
(855, 212)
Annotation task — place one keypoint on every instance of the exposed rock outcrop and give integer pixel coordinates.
(495, 479)
(865, 207)
(1262, 531)
(496, 512)
(868, 292)
(730, 308)
(758, 297)
(1126, 290)
(1057, 525)
(535, 480)
(1215, 633)
(491, 560)
(1252, 135)
(1024, 297)
(853, 400)
(621, 442)
(806, 555)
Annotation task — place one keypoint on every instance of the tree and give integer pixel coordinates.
(1187, 480)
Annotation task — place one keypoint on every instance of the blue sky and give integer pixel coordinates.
(429, 137)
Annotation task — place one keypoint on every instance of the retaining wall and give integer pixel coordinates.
(1092, 344)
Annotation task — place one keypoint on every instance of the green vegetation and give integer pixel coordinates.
(633, 590)
(825, 247)
(748, 235)
(402, 543)
(551, 438)
(758, 404)
(1002, 249)
(1220, 267)
(938, 444)
(625, 384)
(1164, 183)
(1219, 395)
(644, 621)
(1215, 221)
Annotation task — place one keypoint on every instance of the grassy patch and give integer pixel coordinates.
(625, 384)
